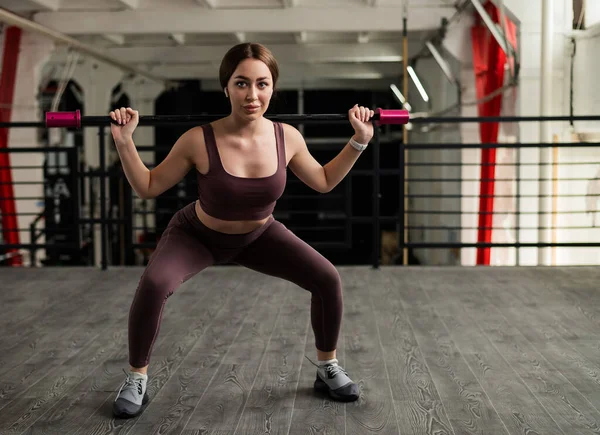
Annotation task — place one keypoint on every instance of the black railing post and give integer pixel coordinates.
(75, 197)
(376, 195)
(401, 198)
(33, 241)
(91, 238)
(103, 216)
(348, 208)
(518, 206)
(129, 219)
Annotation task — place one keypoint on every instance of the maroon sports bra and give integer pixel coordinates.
(228, 197)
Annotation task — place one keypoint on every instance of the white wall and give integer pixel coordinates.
(458, 42)
(586, 101)
(443, 95)
(34, 52)
(570, 211)
(530, 15)
(527, 103)
(592, 13)
(97, 81)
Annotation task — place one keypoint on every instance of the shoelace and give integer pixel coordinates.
(334, 370)
(131, 382)
(331, 369)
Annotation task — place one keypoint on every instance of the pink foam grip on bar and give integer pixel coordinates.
(393, 116)
(63, 119)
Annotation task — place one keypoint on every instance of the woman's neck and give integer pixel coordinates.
(243, 127)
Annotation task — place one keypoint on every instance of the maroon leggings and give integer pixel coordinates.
(187, 247)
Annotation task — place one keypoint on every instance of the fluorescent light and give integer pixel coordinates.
(356, 59)
(418, 84)
(397, 93)
(441, 62)
(399, 96)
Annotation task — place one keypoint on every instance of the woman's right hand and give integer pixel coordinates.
(127, 120)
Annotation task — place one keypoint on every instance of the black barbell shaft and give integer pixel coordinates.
(75, 120)
(382, 116)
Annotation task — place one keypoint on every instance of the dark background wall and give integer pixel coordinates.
(324, 221)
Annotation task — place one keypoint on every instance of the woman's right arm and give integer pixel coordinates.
(150, 183)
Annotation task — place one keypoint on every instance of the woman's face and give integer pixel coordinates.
(250, 89)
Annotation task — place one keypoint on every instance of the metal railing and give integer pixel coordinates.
(339, 223)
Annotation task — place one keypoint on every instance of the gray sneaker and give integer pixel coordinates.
(334, 380)
(132, 396)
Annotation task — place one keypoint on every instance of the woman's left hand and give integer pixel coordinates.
(360, 119)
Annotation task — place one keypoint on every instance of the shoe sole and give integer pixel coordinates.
(124, 414)
(321, 387)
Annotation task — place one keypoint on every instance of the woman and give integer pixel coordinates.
(242, 157)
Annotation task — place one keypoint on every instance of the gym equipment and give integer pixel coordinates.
(75, 120)
(382, 116)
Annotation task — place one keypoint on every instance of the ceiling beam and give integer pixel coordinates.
(48, 5)
(210, 4)
(310, 83)
(284, 53)
(8, 17)
(359, 19)
(130, 4)
(301, 38)
(288, 71)
(114, 38)
(179, 38)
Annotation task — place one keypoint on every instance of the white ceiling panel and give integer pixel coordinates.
(332, 3)
(248, 4)
(182, 35)
(201, 20)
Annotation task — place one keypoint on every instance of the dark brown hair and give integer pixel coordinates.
(247, 50)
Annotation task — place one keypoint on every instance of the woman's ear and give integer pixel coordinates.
(226, 94)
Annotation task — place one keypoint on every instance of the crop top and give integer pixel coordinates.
(228, 197)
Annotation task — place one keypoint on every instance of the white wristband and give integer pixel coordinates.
(357, 146)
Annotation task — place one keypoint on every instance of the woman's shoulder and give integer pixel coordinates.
(195, 134)
(192, 142)
(292, 133)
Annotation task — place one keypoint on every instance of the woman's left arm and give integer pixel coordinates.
(324, 178)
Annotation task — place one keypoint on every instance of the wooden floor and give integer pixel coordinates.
(434, 350)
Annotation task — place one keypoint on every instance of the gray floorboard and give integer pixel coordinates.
(435, 351)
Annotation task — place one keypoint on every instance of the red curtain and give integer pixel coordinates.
(488, 62)
(12, 43)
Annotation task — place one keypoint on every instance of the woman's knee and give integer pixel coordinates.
(156, 283)
(329, 282)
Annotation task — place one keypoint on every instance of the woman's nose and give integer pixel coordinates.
(251, 93)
